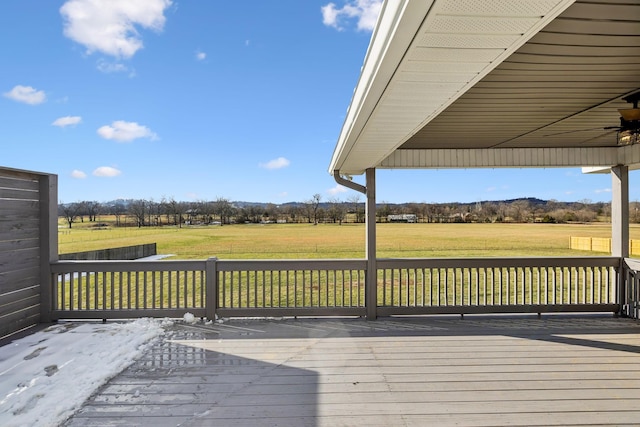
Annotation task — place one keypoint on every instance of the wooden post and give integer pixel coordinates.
(620, 211)
(48, 199)
(211, 302)
(620, 228)
(371, 281)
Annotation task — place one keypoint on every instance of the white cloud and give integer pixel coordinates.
(278, 163)
(122, 131)
(78, 174)
(67, 121)
(111, 67)
(106, 171)
(26, 94)
(337, 190)
(364, 11)
(109, 26)
(603, 190)
(201, 56)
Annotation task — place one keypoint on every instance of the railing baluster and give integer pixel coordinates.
(235, 277)
(538, 285)
(288, 302)
(304, 288)
(530, 281)
(335, 287)
(393, 288)
(271, 288)
(162, 293)
(595, 297)
(409, 285)
(169, 289)
(455, 286)
(310, 288)
(70, 298)
(439, 285)
(476, 300)
(63, 291)
(422, 282)
(295, 288)
(193, 289)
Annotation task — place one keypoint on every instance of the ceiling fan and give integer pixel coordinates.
(629, 130)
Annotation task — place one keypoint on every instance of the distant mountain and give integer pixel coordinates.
(532, 201)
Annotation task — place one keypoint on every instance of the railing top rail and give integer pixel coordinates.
(291, 264)
(334, 264)
(490, 262)
(127, 265)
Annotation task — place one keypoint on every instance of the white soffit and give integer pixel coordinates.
(423, 56)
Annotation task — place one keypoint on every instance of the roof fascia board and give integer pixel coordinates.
(397, 25)
(390, 42)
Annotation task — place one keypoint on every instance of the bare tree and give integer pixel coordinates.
(336, 211)
(118, 209)
(91, 209)
(174, 211)
(293, 212)
(354, 201)
(154, 210)
(224, 209)
(312, 208)
(206, 210)
(70, 212)
(253, 213)
(272, 211)
(138, 211)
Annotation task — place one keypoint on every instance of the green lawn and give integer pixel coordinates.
(252, 241)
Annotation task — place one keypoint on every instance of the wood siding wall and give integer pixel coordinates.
(25, 249)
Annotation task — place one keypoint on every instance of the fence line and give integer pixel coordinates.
(601, 244)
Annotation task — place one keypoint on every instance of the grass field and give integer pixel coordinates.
(298, 241)
(315, 288)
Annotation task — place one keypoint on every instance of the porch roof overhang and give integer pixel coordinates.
(494, 83)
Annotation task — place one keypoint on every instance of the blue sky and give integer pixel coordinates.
(195, 100)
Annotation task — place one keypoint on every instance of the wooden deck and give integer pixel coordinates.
(436, 371)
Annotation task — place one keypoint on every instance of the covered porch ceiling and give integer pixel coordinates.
(494, 83)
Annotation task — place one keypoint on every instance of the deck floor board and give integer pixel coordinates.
(477, 371)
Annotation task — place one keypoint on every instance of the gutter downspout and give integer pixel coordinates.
(348, 183)
(371, 280)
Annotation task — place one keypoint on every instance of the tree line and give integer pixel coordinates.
(168, 211)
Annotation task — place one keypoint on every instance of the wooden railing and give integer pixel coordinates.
(128, 289)
(206, 288)
(291, 287)
(241, 288)
(489, 285)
